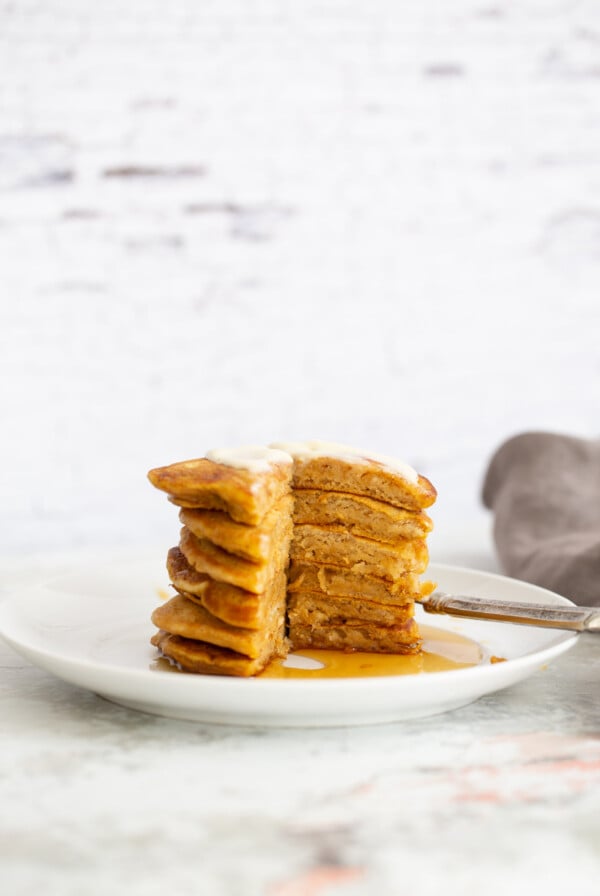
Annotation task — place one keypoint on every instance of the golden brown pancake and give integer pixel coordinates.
(337, 581)
(206, 557)
(310, 608)
(179, 616)
(372, 480)
(233, 605)
(245, 495)
(369, 637)
(185, 578)
(196, 656)
(361, 516)
(332, 544)
(256, 543)
(359, 544)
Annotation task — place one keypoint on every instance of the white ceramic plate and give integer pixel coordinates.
(90, 626)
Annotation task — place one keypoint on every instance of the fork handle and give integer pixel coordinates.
(577, 619)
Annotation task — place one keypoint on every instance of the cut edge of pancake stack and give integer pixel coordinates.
(358, 549)
(355, 547)
(229, 569)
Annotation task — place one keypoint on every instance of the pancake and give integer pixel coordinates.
(206, 557)
(360, 515)
(369, 637)
(250, 613)
(339, 468)
(179, 616)
(246, 495)
(310, 608)
(256, 543)
(346, 580)
(233, 605)
(337, 581)
(199, 657)
(185, 578)
(332, 544)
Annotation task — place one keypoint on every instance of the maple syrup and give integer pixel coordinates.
(442, 651)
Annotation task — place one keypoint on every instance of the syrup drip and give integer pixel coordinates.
(442, 651)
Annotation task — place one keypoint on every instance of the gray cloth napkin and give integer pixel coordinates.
(544, 491)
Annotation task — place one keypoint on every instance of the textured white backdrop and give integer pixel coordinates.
(236, 222)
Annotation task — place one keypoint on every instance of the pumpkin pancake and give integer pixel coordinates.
(179, 616)
(337, 581)
(197, 656)
(256, 543)
(233, 605)
(206, 557)
(339, 468)
(361, 516)
(403, 638)
(332, 544)
(346, 580)
(310, 608)
(246, 495)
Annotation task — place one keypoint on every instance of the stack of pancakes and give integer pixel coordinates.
(313, 540)
(229, 570)
(358, 548)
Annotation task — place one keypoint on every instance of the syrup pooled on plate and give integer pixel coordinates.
(442, 651)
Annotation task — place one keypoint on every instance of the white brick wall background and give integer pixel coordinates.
(229, 222)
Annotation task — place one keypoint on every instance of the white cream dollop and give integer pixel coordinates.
(313, 449)
(255, 458)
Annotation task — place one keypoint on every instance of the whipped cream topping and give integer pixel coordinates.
(309, 450)
(256, 458)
